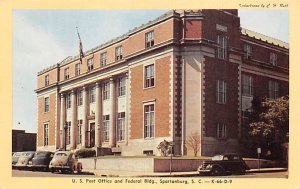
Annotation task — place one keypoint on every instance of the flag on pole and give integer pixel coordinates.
(80, 47)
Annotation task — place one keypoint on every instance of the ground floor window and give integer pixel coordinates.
(149, 120)
(69, 133)
(46, 134)
(221, 130)
(121, 126)
(106, 127)
(79, 131)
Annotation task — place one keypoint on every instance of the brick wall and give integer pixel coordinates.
(222, 113)
(48, 117)
(160, 92)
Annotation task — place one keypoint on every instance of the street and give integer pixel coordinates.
(24, 173)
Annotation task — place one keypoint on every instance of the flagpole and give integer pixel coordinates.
(81, 55)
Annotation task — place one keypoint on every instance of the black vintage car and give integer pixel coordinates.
(224, 164)
(40, 160)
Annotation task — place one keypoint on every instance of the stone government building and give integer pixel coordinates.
(186, 71)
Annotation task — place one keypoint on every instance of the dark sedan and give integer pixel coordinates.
(224, 164)
(41, 160)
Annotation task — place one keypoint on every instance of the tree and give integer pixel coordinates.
(269, 123)
(194, 141)
(164, 148)
(273, 120)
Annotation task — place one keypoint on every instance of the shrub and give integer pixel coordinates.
(85, 152)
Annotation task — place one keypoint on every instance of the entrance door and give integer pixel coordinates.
(92, 134)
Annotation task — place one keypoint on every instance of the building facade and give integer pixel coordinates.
(186, 72)
(22, 141)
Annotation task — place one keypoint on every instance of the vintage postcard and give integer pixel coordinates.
(191, 94)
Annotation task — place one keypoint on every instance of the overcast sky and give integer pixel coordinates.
(43, 38)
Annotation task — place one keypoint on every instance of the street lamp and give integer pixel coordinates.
(65, 129)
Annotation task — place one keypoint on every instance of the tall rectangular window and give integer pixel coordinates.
(222, 47)
(221, 90)
(90, 64)
(221, 130)
(149, 121)
(105, 121)
(79, 131)
(119, 53)
(248, 50)
(66, 73)
(122, 86)
(149, 76)
(247, 85)
(46, 104)
(46, 79)
(121, 126)
(77, 69)
(68, 133)
(46, 134)
(273, 59)
(273, 89)
(103, 58)
(106, 90)
(68, 100)
(149, 39)
(92, 94)
(79, 98)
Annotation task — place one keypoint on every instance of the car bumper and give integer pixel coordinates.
(59, 167)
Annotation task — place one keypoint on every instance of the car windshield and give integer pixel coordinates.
(41, 154)
(61, 154)
(17, 154)
(27, 154)
(218, 157)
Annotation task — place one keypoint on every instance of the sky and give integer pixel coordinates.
(42, 38)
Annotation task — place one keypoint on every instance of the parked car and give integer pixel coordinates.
(65, 161)
(15, 157)
(223, 164)
(41, 160)
(24, 159)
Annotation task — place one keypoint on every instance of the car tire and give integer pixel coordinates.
(72, 170)
(52, 170)
(217, 171)
(242, 171)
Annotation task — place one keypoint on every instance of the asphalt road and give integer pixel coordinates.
(23, 173)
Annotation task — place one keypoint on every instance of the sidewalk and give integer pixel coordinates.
(108, 173)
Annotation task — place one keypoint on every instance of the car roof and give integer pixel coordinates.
(65, 152)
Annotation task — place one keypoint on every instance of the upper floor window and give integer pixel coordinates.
(103, 59)
(149, 121)
(77, 69)
(46, 134)
(106, 91)
(46, 104)
(92, 94)
(90, 64)
(149, 76)
(79, 98)
(46, 80)
(67, 74)
(221, 91)
(221, 130)
(247, 85)
(122, 86)
(119, 53)
(248, 50)
(273, 59)
(273, 89)
(149, 39)
(222, 47)
(68, 100)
